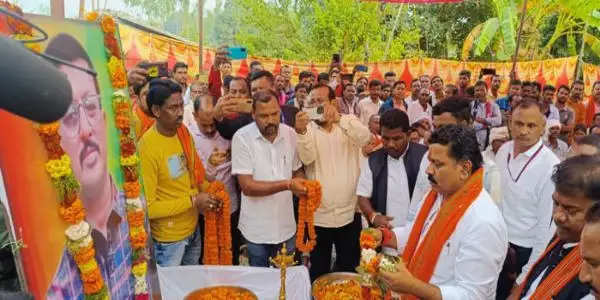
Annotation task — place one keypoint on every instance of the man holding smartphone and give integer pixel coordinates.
(329, 147)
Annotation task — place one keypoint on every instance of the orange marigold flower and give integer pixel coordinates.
(135, 218)
(138, 240)
(108, 24)
(122, 121)
(91, 16)
(119, 79)
(72, 213)
(132, 189)
(84, 254)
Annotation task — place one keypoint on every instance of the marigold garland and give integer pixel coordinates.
(307, 206)
(217, 228)
(79, 242)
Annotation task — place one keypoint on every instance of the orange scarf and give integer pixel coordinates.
(591, 111)
(194, 163)
(145, 121)
(579, 109)
(422, 258)
(564, 272)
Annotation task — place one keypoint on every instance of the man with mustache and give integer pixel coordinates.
(455, 247)
(525, 165)
(266, 163)
(565, 113)
(554, 275)
(215, 153)
(330, 150)
(391, 176)
(590, 251)
(84, 139)
(173, 177)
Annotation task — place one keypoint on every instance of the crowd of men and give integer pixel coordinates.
(484, 196)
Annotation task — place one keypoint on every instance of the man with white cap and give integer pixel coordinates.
(559, 147)
(498, 136)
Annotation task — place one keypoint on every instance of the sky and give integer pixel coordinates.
(72, 6)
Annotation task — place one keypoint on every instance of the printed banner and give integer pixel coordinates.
(90, 140)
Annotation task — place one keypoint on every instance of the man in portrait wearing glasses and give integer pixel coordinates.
(84, 139)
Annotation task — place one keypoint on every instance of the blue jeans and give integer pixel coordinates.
(184, 252)
(259, 254)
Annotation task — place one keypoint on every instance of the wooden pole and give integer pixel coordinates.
(57, 9)
(391, 35)
(200, 35)
(81, 8)
(579, 65)
(514, 66)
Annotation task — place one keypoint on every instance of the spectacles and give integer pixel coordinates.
(71, 122)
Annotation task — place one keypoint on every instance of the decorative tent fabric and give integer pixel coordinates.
(142, 45)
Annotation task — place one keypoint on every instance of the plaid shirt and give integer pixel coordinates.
(113, 254)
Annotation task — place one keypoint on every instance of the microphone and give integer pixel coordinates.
(31, 87)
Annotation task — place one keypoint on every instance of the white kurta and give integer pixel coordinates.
(473, 255)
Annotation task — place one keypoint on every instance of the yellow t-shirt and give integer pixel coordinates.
(167, 187)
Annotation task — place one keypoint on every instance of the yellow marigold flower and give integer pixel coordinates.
(130, 160)
(139, 270)
(91, 16)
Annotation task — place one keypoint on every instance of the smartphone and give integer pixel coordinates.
(362, 68)
(244, 105)
(156, 70)
(315, 113)
(237, 53)
(336, 58)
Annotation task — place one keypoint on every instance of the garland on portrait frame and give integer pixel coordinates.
(129, 159)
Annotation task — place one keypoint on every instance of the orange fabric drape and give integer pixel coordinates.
(145, 121)
(562, 274)
(421, 258)
(194, 163)
(590, 112)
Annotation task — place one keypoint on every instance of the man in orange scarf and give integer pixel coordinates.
(173, 178)
(142, 117)
(554, 275)
(456, 246)
(576, 101)
(593, 106)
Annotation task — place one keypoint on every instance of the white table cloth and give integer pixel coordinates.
(177, 282)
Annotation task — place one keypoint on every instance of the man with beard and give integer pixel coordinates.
(593, 105)
(526, 169)
(486, 114)
(227, 113)
(348, 105)
(421, 109)
(307, 78)
(494, 92)
(266, 163)
(84, 140)
(330, 150)
(215, 153)
(173, 177)
(280, 84)
(464, 78)
(455, 247)
(576, 101)
(555, 274)
(392, 175)
(590, 251)
(547, 101)
(565, 113)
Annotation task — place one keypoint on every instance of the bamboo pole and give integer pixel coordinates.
(57, 9)
(391, 35)
(200, 35)
(579, 66)
(514, 66)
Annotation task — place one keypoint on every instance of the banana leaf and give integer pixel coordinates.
(593, 42)
(571, 45)
(587, 10)
(488, 32)
(469, 41)
(508, 20)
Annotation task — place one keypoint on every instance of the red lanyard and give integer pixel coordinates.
(524, 167)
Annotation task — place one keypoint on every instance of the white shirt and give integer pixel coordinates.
(474, 254)
(332, 158)
(561, 149)
(205, 146)
(554, 114)
(188, 118)
(491, 179)
(398, 200)
(416, 112)
(527, 204)
(493, 119)
(538, 279)
(268, 219)
(367, 108)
